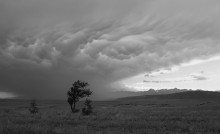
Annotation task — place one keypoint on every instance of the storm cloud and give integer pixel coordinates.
(45, 45)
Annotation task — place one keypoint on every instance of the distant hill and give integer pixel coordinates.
(120, 94)
(200, 95)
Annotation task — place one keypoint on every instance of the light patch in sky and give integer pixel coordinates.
(6, 95)
(198, 74)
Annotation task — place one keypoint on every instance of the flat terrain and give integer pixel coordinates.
(123, 116)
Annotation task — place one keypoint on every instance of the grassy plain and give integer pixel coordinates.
(144, 116)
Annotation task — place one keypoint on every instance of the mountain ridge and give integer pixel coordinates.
(198, 94)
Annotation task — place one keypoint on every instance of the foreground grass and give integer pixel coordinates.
(113, 119)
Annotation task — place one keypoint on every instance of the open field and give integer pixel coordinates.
(126, 116)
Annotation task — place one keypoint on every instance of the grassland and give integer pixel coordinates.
(148, 116)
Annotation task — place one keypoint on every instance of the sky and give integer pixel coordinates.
(129, 45)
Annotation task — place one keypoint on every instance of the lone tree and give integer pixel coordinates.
(78, 90)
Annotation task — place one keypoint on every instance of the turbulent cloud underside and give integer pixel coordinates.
(45, 45)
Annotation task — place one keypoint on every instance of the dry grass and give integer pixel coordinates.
(112, 118)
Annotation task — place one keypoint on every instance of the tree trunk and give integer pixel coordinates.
(74, 106)
(71, 106)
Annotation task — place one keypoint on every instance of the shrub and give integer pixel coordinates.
(33, 107)
(87, 107)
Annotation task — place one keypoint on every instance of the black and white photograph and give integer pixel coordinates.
(109, 66)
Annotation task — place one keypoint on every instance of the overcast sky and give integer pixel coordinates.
(45, 45)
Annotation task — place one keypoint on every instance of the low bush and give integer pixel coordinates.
(33, 107)
(87, 107)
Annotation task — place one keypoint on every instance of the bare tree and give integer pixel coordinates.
(78, 90)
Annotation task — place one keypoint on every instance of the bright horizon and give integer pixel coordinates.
(198, 74)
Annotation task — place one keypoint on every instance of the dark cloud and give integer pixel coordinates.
(198, 77)
(157, 81)
(192, 77)
(47, 44)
